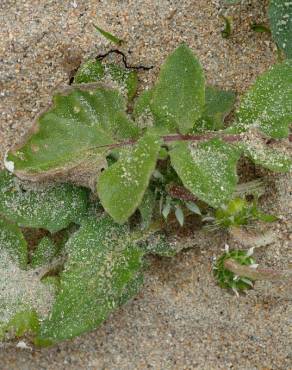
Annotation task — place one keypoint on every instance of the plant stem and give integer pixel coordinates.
(257, 274)
(229, 138)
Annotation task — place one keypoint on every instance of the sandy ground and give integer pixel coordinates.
(181, 319)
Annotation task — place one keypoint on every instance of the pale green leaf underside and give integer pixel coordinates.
(81, 120)
(121, 187)
(208, 170)
(179, 94)
(280, 15)
(102, 271)
(51, 207)
(268, 103)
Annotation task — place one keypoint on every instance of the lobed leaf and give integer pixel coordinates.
(122, 186)
(51, 207)
(268, 103)
(179, 95)
(280, 15)
(102, 271)
(208, 170)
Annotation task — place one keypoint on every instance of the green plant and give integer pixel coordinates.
(173, 152)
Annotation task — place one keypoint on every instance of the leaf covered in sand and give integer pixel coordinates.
(122, 186)
(268, 103)
(23, 297)
(103, 270)
(208, 170)
(109, 73)
(72, 136)
(52, 207)
(179, 95)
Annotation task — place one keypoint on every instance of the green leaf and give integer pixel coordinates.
(208, 170)
(146, 208)
(71, 137)
(23, 298)
(127, 79)
(109, 36)
(15, 244)
(179, 215)
(98, 274)
(51, 207)
(142, 105)
(268, 103)
(44, 253)
(280, 15)
(193, 208)
(90, 71)
(111, 74)
(122, 186)
(268, 158)
(218, 105)
(179, 96)
(21, 323)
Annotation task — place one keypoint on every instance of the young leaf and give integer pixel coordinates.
(109, 36)
(218, 104)
(15, 244)
(69, 134)
(22, 295)
(127, 79)
(179, 95)
(146, 208)
(90, 71)
(94, 70)
(44, 252)
(208, 170)
(179, 215)
(280, 15)
(121, 187)
(268, 103)
(51, 207)
(193, 208)
(100, 269)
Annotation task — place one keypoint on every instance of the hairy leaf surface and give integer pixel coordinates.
(268, 103)
(102, 271)
(121, 187)
(179, 95)
(51, 207)
(208, 170)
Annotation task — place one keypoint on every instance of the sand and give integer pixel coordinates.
(181, 319)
